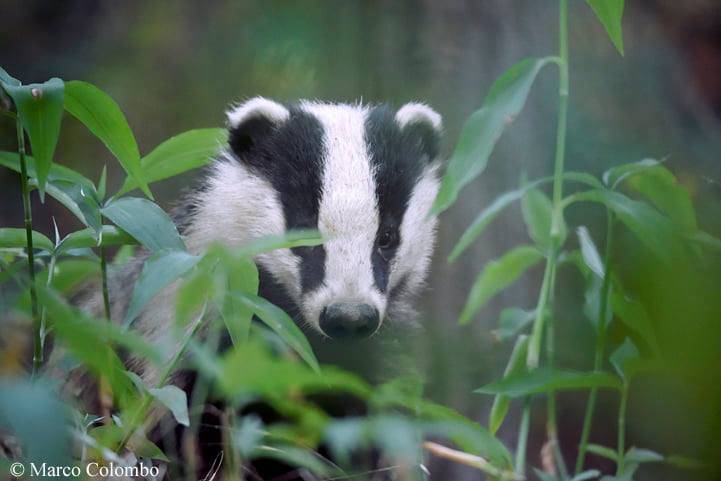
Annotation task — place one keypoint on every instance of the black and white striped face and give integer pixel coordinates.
(365, 177)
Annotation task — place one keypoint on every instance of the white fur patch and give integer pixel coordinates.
(348, 214)
(417, 112)
(257, 107)
(417, 233)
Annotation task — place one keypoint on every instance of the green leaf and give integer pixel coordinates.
(102, 116)
(242, 276)
(650, 226)
(275, 318)
(634, 316)
(16, 237)
(661, 187)
(592, 305)
(178, 154)
(516, 365)
(485, 126)
(31, 412)
(174, 399)
(512, 321)
(603, 451)
(590, 474)
(547, 379)
(102, 183)
(7, 79)
(40, 107)
(639, 455)
(614, 176)
(496, 276)
(288, 240)
(82, 202)
(625, 359)
(297, 457)
(145, 221)
(488, 214)
(610, 13)
(589, 252)
(11, 160)
(537, 212)
(544, 476)
(160, 270)
(86, 238)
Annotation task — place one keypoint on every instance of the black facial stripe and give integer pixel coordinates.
(291, 158)
(397, 158)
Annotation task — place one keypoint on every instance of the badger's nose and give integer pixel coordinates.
(346, 320)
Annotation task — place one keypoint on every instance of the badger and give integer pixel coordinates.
(364, 176)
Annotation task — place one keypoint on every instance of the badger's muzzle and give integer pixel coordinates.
(349, 320)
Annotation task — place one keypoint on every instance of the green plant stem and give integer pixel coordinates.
(28, 217)
(552, 423)
(534, 346)
(520, 467)
(621, 443)
(104, 276)
(600, 343)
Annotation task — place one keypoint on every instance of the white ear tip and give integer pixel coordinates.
(257, 107)
(418, 112)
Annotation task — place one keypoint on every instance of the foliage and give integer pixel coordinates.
(270, 359)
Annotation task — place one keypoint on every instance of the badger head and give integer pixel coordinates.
(364, 176)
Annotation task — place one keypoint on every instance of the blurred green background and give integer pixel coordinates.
(174, 66)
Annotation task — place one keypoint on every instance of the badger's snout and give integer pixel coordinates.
(349, 320)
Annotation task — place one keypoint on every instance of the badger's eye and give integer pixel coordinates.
(388, 239)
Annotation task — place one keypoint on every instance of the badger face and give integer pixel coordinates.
(365, 177)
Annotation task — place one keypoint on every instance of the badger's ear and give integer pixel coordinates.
(252, 121)
(423, 125)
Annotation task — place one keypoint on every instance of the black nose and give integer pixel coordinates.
(345, 320)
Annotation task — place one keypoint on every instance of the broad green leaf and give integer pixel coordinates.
(86, 238)
(11, 160)
(82, 202)
(640, 455)
(537, 212)
(241, 276)
(592, 303)
(496, 276)
(547, 379)
(512, 321)
(650, 226)
(32, 414)
(610, 13)
(292, 238)
(86, 340)
(603, 451)
(662, 189)
(7, 79)
(516, 365)
(178, 154)
(485, 126)
(145, 221)
(175, 400)
(40, 107)
(586, 475)
(275, 318)
(298, 457)
(625, 359)
(160, 270)
(102, 183)
(589, 252)
(102, 116)
(634, 315)
(17, 237)
(614, 176)
(544, 476)
(248, 435)
(487, 215)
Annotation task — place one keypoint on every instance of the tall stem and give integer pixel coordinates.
(104, 275)
(600, 343)
(105, 390)
(28, 217)
(621, 443)
(534, 346)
